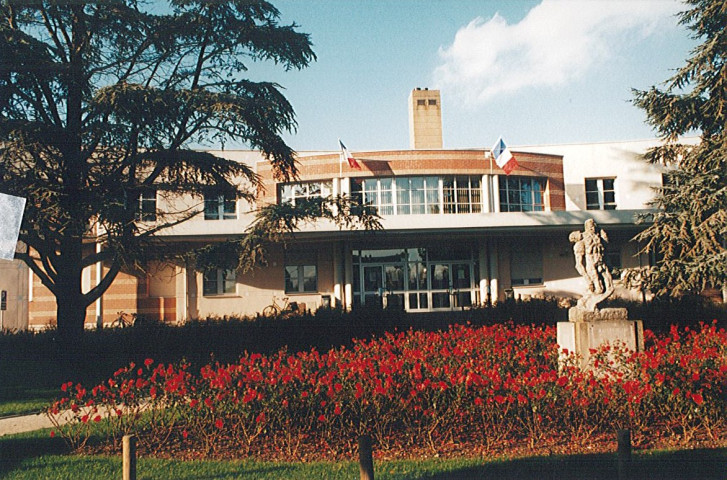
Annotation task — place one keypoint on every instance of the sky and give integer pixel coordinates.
(533, 72)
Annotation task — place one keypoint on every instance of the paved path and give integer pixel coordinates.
(24, 423)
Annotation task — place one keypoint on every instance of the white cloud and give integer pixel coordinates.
(557, 42)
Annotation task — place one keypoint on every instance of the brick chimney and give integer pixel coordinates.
(425, 119)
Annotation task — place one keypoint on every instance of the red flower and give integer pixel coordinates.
(219, 423)
(148, 362)
(185, 434)
(321, 418)
(97, 418)
(52, 433)
(698, 399)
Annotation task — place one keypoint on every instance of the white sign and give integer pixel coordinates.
(11, 214)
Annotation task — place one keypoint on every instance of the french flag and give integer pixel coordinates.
(503, 157)
(347, 155)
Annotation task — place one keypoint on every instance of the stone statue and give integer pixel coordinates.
(589, 248)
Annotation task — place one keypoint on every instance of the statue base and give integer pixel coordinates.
(578, 314)
(580, 337)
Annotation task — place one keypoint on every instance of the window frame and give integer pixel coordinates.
(506, 193)
(223, 279)
(601, 193)
(220, 211)
(145, 208)
(301, 278)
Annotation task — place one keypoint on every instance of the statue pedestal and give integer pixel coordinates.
(581, 336)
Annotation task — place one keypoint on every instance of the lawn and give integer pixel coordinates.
(37, 456)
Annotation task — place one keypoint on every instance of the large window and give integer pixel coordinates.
(522, 194)
(420, 195)
(292, 191)
(219, 282)
(301, 278)
(600, 194)
(526, 262)
(218, 206)
(461, 194)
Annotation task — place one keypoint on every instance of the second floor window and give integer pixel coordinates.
(600, 194)
(144, 203)
(522, 194)
(218, 206)
(289, 193)
(461, 194)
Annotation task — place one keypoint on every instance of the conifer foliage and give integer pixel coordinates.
(689, 232)
(100, 104)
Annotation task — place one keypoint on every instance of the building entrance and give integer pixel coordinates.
(415, 279)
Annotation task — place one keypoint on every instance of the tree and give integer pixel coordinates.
(688, 232)
(100, 103)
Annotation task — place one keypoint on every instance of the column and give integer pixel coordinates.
(338, 275)
(348, 277)
(494, 284)
(484, 265)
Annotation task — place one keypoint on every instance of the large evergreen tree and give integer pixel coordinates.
(689, 231)
(100, 102)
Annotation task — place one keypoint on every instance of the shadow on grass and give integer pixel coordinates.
(664, 465)
(16, 448)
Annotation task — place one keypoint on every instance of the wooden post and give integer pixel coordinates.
(129, 457)
(623, 452)
(365, 458)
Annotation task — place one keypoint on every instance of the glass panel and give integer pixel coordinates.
(453, 252)
(413, 303)
(230, 281)
(286, 193)
(373, 279)
(211, 207)
(591, 185)
(380, 256)
(440, 300)
(608, 184)
(440, 276)
(423, 302)
(209, 283)
(310, 278)
(314, 189)
(291, 278)
(394, 277)
(461, 276)
(230, 207)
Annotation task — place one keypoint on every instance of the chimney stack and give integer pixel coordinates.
(425, 119)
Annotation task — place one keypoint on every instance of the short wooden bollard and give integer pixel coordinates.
(129, 457)
(623, 452)
(365, 458)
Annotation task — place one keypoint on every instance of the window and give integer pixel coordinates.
(526, 263)
(301, 278)
(288, 193)
(421, 102)
(420, 195)
(218, 206)
(219, 282)
(461, 194)
(600, 194)
(432, 101)
(522, 194)
(146, 206)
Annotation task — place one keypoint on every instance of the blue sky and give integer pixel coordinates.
(535, 72)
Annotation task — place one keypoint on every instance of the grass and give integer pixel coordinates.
(37, 456)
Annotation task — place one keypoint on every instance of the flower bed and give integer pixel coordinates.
(484, 389)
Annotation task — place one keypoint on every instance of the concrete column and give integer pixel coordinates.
(495, 189)
(338, 274)
(180, 296)
(486, 201)
(99, 300)
(348, 276)
(494, 283)
(484, 264)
